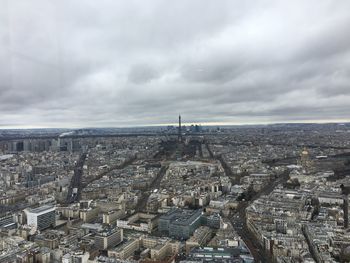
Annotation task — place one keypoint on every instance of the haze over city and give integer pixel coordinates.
(131, 63)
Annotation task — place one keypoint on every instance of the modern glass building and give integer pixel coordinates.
(41, 217)
(180, 223)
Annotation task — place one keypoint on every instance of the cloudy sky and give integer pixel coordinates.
(102, 63)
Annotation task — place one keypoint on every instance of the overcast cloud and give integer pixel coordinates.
(86, 63)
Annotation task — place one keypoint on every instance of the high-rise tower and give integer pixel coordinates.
(180, 132)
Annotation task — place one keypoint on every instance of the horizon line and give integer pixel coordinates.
(339, 121)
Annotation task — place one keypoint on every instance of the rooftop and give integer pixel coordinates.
(42, 209)
(181, 216)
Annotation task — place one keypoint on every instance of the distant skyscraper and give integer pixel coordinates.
(180, 132)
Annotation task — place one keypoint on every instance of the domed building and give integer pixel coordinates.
(306, 162)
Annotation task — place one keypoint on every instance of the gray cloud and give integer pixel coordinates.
(142, 73)
(116, 63)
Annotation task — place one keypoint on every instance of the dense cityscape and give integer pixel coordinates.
(264, 193)
(187, 131)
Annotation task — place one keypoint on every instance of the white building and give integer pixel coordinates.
(41, 217)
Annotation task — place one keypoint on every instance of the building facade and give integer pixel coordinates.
(41, 217)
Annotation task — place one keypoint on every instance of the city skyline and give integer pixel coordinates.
(118, 64)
